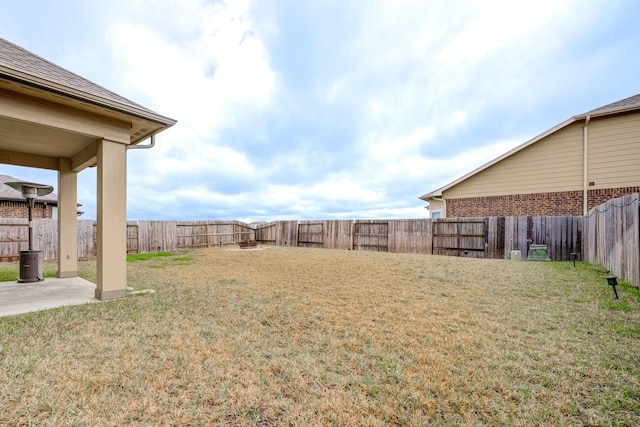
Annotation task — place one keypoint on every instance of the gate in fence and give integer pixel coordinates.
(371, 236)
(133, 239)
(492, 237)
(310, 235)
(460, 238)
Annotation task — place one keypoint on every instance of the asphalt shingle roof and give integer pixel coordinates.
(8, 193)
(18, 62)
(630, 102)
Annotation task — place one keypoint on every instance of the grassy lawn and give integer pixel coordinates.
(288, 336)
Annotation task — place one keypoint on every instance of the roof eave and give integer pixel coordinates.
(592, 114)
(81, 96)
(608, 111)
(427, 197)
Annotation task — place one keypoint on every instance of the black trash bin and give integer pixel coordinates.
(30, 270)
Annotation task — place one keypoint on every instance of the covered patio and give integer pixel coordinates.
(18, 298)
(53, 119)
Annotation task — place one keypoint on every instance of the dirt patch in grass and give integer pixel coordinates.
(291, 336)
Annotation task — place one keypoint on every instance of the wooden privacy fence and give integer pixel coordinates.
(609, 235)
(158, 236)
(142, 236)
(461, 237)
(199, 234)
(492, 237)
(14, 237)
(405, 236)
(612, 237)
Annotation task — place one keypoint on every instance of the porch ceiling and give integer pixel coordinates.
(39, 127)
(34, 139)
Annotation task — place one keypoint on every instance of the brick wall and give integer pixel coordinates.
(563, 203)
(21, 210)
(598, 197)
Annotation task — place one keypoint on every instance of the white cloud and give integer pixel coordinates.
(198, 76)
(449, 169)
(337, 108)
(392, 150)
(494, 25)
(207, 158)
(340, 188)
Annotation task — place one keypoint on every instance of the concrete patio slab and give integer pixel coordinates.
(18, 298)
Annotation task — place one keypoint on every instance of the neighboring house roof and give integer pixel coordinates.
(627, 104)
(23, 67)
(622, 106)
(11, 194)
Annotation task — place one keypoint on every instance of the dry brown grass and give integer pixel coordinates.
(287, 336)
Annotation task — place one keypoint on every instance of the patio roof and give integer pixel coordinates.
(46, 84)
(51, 118)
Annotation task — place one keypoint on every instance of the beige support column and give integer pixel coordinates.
(67, 220)
(112, 221)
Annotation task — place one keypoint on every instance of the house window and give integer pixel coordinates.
(436, 214)
(54, 212)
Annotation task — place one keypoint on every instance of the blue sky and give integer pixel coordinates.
(328, 109)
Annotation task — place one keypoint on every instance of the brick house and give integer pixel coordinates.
(567, 170)
(13, 205)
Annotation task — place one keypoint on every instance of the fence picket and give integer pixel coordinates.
(609, 235)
